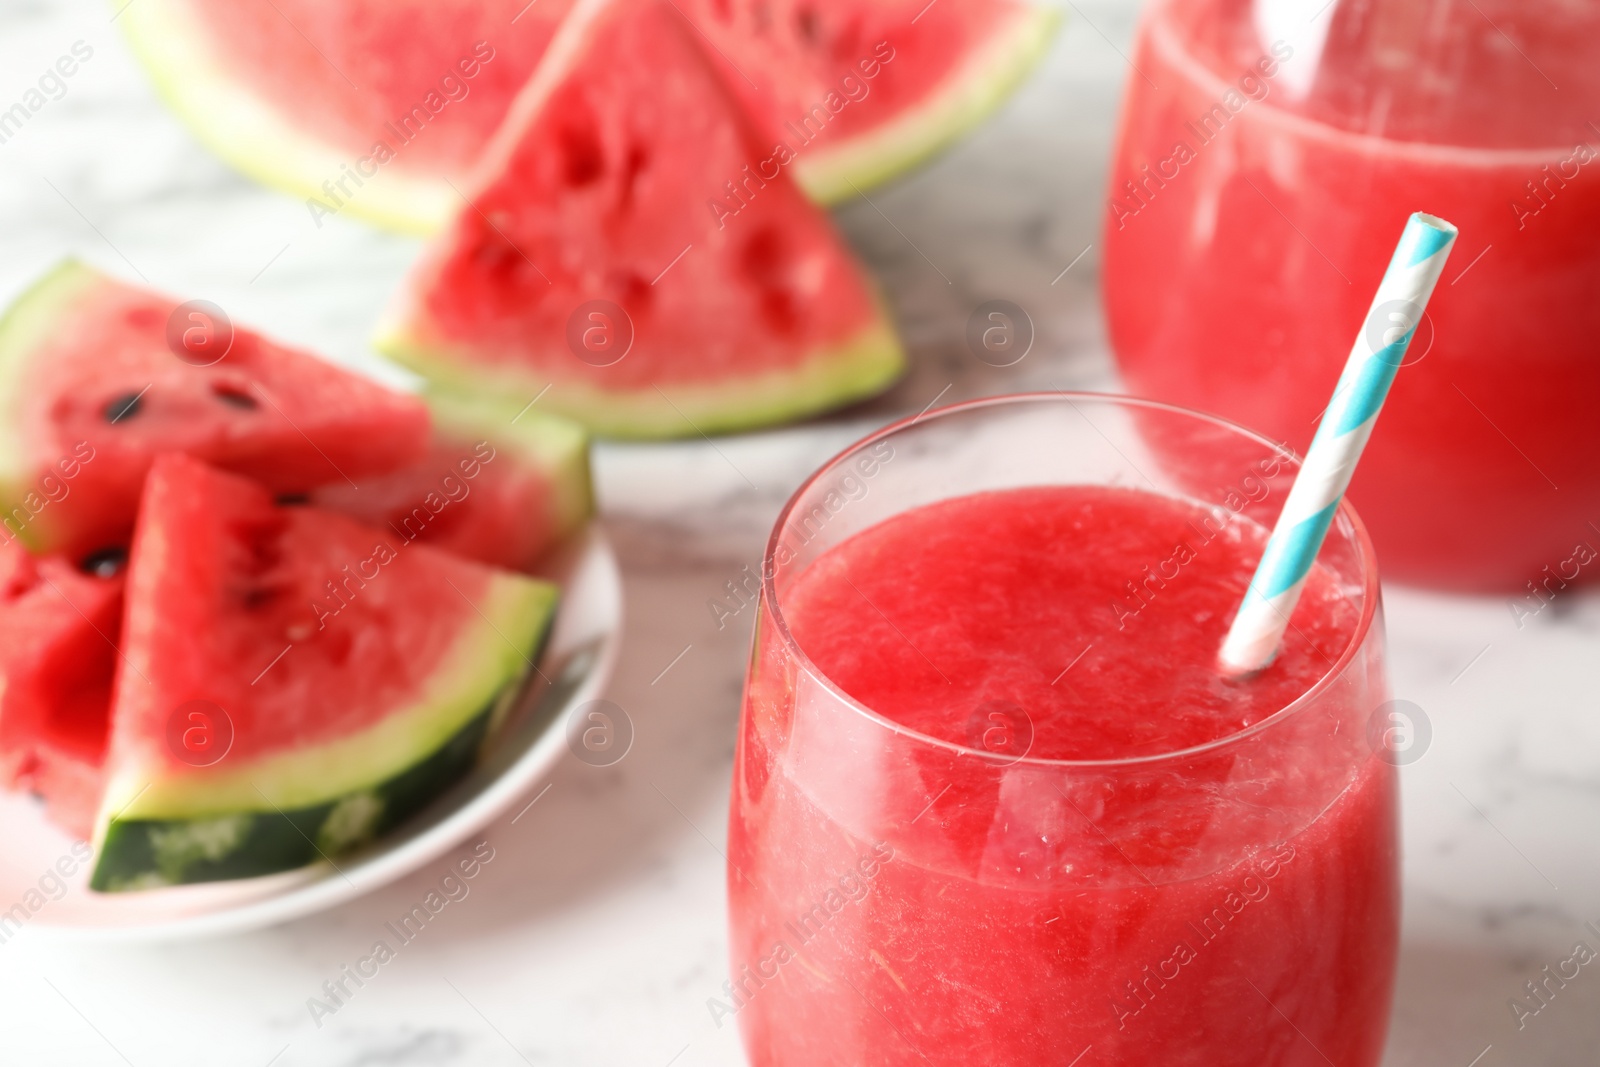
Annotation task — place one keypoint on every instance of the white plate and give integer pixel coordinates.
(577, 661)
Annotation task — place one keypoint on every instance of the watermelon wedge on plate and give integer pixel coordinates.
(294, 682)
(592, 261)
(498, 485)
(375, 108)
(91, 391)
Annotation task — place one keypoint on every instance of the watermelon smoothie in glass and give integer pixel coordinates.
(992, 801)
(1265, 152)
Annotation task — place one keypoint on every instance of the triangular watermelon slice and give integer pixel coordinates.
(593, 258)
(498, 485)
(375, 108)
(294, 682)
(91, 392)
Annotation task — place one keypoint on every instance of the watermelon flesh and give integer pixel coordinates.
(367, 108)
(860, 92)
(312, 95)
(68, 768)
(497, 485)
(470, 58)
(58, 633)
(90, 394)
(357, 674)
(600, 192)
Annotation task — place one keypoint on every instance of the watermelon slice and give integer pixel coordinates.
(58, 633)
(863, 91)
(375, 108)
(90, 393)
(592, 260)
(337, 678)
(366, 108)
(498, 485)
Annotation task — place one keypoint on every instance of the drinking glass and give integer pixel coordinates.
(1269, 152)
(897, 899)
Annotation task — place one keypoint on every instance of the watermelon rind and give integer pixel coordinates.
(856, 370)
(151, 853)
(831, 175)
(555, 445)
(26, 322)
(261, 141)
(242, 820)
(256, 137)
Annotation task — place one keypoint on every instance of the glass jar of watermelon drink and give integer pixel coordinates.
(993, 803)
(1265, 151)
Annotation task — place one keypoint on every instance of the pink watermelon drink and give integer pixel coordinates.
(1253, 186)
(992, 800)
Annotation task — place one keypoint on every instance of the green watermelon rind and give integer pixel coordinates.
(990, 76)
(557, 446)
(25, 324)
(858, 369)
(257, 138)
(208, 819)
(150, 853)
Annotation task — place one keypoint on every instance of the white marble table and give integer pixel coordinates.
(596, 936)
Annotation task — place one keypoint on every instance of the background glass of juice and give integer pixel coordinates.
(1267, 156)
(958, 892)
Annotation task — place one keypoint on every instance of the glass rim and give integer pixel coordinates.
(1358, 637)
(1426, 151)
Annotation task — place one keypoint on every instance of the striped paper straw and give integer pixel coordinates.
(1418, 261)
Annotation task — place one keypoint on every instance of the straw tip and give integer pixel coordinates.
(1248, 649)
(1434, 222)
(1426, 237)
(1236, 671)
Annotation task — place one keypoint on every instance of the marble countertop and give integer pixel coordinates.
(596, 936)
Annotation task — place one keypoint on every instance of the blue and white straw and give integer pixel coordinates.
(1346, 424)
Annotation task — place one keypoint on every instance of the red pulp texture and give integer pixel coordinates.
(895, 903)
(819, 73)
(500, 513)
(606, 191)
(1237, 278)
(58, 628)
(428, 82)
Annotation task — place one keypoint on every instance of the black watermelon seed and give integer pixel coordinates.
(293, 500)
(259, 597)
(234, 397)
(123, 407)
(809, 25)
(106, 563)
